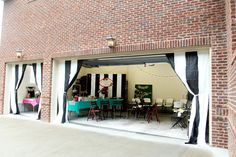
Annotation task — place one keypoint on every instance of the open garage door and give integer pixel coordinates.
(23, 89)
(93, 70)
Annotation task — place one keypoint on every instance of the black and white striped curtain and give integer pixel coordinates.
(193, 70)
(68, 72)
(38, 74)
(17, 77)
(117, 90)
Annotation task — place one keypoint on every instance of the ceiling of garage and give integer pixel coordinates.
(127, 60)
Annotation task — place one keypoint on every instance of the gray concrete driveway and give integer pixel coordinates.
(23, 138)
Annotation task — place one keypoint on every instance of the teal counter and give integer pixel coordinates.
(76, 106)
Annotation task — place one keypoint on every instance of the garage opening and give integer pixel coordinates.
(23, 90)
(145, 94)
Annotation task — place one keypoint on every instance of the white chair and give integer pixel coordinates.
(184, 101)
(147, 101)
(138, 102)
(178, 104)
(133, 102)
(159, 102)
(132, 108)
(169, 102)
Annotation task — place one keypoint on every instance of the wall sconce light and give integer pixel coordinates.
(111, 41)
(19, 53)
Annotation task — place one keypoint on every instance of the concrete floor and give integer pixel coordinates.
(138, 126)
(26, 138)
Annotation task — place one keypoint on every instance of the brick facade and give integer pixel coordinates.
(231, 36)
(47, 29)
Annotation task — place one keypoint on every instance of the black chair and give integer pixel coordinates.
(181, 119)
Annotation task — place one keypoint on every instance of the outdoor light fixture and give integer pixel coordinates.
(111, 42)
(19, 53)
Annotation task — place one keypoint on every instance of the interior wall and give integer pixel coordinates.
(164, 81)
(104, 70)
(100, 70)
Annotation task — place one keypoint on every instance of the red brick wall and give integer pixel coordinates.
(231, 47)
(46, 29)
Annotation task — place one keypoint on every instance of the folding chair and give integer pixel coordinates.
(153, 112)
(94, 111)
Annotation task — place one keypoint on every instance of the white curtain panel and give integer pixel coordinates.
(39, 84)
(13, 102)
(12, 90)
(110, 76)
(93, 82)
(60, 90)
(203, 68)
(204, 90)
(180, 68)
(119, 85)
